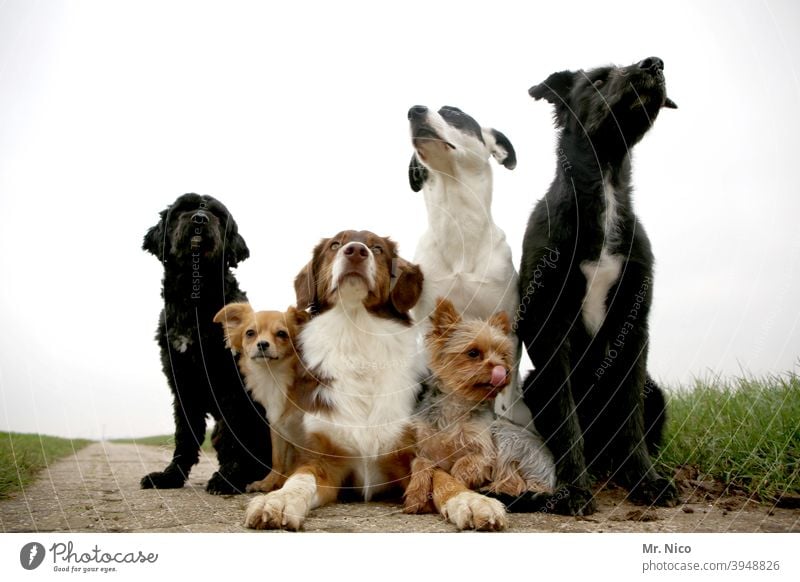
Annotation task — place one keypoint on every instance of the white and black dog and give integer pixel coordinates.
(198, 243)
(464, 254)
(586, 282)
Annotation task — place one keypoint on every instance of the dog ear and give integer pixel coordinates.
(154, 238)
(555, 89)
(444, 316)
(406, 284)
(417, 174)
(500, 147)
(305, 289)
(500, 320)
(231, 317)
(236, 249)
(298, 316)
(305, 283)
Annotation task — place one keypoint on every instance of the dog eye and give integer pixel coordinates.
(474, 353)
(335, 245)
(282, 334)
(250, 333)
(377, 249)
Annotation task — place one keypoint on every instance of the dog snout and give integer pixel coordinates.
(200, 217)
(417, 112)
(652, 64)
(356, 252)
(263, 346)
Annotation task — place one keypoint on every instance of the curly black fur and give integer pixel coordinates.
(198, 243)
(590, 394)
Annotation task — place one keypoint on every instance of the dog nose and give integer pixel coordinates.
(356, 251)
(652, 63)
(417, 111)
(263, 346)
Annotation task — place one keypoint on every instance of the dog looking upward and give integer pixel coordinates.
(198, 243)
(586, 281)
(268, 359)
(455, 426)
(464, 254)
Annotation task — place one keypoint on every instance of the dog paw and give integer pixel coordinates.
(221, 485)
(418, 500)
(470, 510)
(661, 492)
(572, 500)
(471, 473)
(267, 484)
(163, 480)
(277, 510)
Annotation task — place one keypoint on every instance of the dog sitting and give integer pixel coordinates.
(455, 426)
(268, 360)
(198, 243)
(359, 351)
(586, 281)
(464, 254)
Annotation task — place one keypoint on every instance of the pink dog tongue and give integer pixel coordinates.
(498, 375)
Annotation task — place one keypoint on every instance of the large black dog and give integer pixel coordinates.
(586, 284)
(198, 243)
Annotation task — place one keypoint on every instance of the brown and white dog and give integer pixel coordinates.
(270, 365)
(360, 377)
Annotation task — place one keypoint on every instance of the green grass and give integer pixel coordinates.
(166, 440)
(22, 456)
(743, 432)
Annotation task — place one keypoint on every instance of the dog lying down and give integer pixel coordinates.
(456, 429)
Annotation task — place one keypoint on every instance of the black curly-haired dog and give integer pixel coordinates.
(586, 284)
(198, 242)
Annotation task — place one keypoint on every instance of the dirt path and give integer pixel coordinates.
(97, 490)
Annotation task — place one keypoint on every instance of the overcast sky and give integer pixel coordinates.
(294, 115)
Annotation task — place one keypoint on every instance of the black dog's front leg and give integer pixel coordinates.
(548, 394)
(190, 429)
(625, 384)
(242, 443)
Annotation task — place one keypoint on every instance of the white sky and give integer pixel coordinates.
(294, 115)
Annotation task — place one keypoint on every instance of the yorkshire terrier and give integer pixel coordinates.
(269, 362)
(455, 424)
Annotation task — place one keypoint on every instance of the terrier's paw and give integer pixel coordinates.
(471, 473)
(470, 510)
(280, 509)
(267, 484)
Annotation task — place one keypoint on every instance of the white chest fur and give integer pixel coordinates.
(603, 273)
(269, 386)
(371, 396)
(600, 277)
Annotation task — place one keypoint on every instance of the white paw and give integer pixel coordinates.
(470, 510)
(280, 509)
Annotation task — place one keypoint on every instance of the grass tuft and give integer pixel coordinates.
(743, 432)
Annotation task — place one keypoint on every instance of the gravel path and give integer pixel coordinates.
(97, 490)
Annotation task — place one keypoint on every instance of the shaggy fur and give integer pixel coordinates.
(269, 361)
(455, 426)
(198, 243)
(586, 283)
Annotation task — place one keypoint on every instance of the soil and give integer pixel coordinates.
(97, 490)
